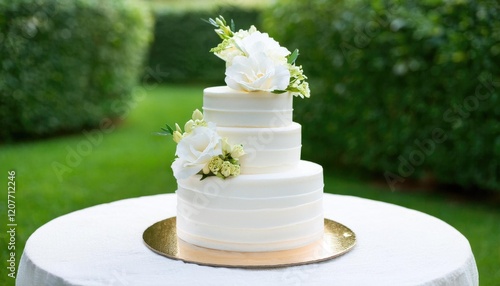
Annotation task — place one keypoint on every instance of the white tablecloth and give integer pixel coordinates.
(103, 245)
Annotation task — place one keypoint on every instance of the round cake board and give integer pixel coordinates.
(161, 238)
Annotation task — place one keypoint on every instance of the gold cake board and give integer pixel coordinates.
(161, 238)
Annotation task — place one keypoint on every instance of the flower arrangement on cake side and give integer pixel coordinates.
(256, 62)
(200, 150)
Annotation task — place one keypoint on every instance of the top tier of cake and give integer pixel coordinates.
(232, 108)
(261, 122)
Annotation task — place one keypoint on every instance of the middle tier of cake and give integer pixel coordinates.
(268, 150)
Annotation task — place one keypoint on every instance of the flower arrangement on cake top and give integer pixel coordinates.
(256, 62)
(200, 150)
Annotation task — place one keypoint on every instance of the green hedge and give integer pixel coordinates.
(66, 65)
(183, 40)
(403, 89)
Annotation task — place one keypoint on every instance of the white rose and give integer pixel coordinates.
(258, 42)
(235, 170)
(245, 33)
(215, 164)
(231, 50)
(195, 150)
(257, 72)
(225, 169)
(228, 54)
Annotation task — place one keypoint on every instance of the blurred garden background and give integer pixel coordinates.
(405, 104)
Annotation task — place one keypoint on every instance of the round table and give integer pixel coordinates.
(103, 245)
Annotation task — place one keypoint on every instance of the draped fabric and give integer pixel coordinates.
(102, 245)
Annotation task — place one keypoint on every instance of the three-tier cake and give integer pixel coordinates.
(241, 183)
(276, 202)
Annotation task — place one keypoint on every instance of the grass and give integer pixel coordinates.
(129, 161)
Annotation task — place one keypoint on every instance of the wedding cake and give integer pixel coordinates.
(241, 183)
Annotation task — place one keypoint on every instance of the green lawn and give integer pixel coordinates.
(130, 161)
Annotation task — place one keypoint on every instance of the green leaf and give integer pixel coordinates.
(278, 91)
(211, 22)
(293, 56)
(233, 29)
(166, 131)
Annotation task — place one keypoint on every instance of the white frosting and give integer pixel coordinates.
(259, 212)
(276, 203)
(232, 108)
(268, 150)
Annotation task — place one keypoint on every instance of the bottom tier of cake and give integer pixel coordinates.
(252, 213)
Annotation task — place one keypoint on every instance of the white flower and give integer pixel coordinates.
(230, 49)
(229, 53)
(252, 44)
(215, 164)
(237, 151)
(178, 128)
(197, 115)
(258, 42)
(177, 136)
(241, 34)
(235, 170)
(189, 126)
(226, 147)
(225, 169)
(195, 150)
(206, 169)
(257, 72)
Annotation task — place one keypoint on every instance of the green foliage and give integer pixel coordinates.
(404, 89)
(183, 41)
(66, 65)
